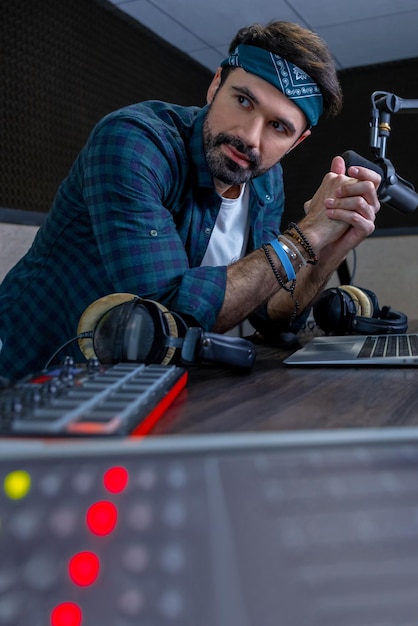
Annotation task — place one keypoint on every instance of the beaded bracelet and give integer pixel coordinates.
(303, 241)
(284, 259)
(281, 282)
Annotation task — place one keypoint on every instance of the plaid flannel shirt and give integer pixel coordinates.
(134, 214)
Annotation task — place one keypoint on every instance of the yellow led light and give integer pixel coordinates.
(17, 484)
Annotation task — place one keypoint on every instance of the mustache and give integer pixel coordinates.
(239, 145)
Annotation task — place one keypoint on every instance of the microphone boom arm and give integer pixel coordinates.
(393, 104)
(394, 191)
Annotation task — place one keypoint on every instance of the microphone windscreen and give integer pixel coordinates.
(352, 158)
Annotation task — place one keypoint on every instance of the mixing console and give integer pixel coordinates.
(90, 399)
(163, 531)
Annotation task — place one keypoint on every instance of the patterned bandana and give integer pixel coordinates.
(287, 77)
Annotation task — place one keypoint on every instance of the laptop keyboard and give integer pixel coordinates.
(390, 346)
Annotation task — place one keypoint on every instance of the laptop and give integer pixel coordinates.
(358, 350)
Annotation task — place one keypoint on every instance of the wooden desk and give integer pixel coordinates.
(274, 397)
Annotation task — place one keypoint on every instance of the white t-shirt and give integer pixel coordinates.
(229, 238)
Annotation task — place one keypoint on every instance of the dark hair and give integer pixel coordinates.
(300, 46)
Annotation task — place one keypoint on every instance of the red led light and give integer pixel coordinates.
(102, 517)
(115, 479)
(84, 568)
(66, 614)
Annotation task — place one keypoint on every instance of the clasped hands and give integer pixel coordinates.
(344, 207)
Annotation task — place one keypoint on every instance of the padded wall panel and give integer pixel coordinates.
(64, 64)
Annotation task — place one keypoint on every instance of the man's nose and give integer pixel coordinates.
(251, 133)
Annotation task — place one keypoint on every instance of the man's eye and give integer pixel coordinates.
(278, 126)
(244, 101)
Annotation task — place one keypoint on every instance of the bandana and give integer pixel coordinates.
(284, 75)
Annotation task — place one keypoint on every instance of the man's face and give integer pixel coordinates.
(250, 126)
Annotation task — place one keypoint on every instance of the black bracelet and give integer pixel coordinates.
(281, 282)
(303, 240)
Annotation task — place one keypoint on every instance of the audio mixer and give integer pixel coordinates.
(239, 530)
(90, 399)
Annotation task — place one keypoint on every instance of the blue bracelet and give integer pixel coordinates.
(284, 260)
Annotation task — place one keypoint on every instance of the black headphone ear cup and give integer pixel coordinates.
(361, 300)
(91, 316)
(334, 311)
(150, 334)
(124, 333)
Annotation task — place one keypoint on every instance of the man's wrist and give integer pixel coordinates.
(304, 243)
(311, 231)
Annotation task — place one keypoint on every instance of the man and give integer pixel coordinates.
(182, 205)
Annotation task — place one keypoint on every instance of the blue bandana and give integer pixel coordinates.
(284, 75)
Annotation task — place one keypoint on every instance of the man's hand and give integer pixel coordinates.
(356, 204)
(344, 207)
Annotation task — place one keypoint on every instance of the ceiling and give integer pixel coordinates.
(358, 32)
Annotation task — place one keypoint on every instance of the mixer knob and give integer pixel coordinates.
(66, 374)
(93, 366)
(17, 406)
(36, 396)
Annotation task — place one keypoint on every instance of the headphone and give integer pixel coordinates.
(353, 310)
(122, 327)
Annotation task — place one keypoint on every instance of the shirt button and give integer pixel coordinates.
(153, 233)
(208, 231)
(268, 197)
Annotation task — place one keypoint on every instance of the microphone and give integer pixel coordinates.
(352, 158)
(393, 190)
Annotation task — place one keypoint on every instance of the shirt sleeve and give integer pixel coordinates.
(131, 172)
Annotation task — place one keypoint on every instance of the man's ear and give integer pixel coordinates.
(299, 140)
(214, 85)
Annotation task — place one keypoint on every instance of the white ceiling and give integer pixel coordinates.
(358, 32)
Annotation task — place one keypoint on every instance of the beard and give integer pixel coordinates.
(221, 166)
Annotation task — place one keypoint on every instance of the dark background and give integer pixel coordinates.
(65, 64)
